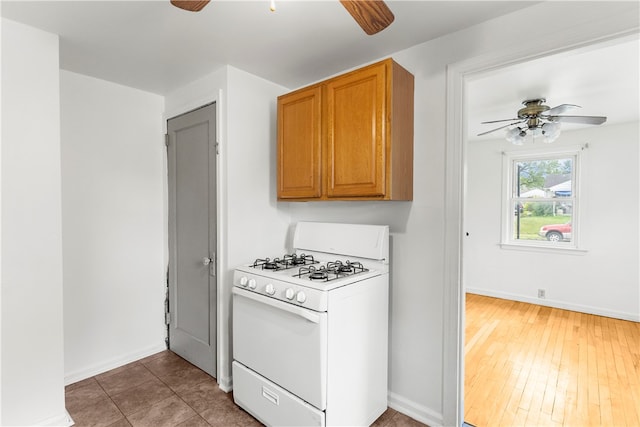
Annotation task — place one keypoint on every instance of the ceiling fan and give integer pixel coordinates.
(541, 120)
(373, 16)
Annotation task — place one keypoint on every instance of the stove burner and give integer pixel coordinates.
(313, 273)
(267, 264)
(271, 265)
(345, 269)
(319, 275)
(332, 271)
(295, 260)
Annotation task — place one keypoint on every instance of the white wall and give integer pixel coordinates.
(604, 279)
(113, 224)
(32, 325)
(249, 223)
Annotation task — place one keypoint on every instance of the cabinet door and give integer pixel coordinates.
(356, 113)
(299, 148)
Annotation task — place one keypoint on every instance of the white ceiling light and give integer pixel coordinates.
(516, 136)
(550, 131)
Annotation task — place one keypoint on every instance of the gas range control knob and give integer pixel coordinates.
(289, 293)
(269, 289)
(301, 297)
(244, 281)
(252, 283)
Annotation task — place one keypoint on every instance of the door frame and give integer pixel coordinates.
(582, 36)
(221, 325)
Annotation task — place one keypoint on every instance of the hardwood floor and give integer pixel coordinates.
(529, 365)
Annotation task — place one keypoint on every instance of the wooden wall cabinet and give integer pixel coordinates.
(349, 137)
(299, 144)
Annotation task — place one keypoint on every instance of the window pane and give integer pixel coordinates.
(548, 178)
(548, 220)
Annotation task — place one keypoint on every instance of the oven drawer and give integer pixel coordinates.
(270, 404)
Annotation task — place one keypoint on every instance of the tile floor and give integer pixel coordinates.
(164, 390)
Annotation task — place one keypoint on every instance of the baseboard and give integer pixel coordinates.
(634, 317)
(62, 420)
(107, 365)
(225, 384)
(414, 410)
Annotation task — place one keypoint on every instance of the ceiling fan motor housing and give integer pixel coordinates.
(533, 108)
(531, 112)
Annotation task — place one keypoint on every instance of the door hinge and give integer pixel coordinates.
(167, 316)
(166, 139)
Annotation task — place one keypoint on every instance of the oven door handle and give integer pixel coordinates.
(293, 309)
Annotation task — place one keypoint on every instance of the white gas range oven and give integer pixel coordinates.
(310, 329)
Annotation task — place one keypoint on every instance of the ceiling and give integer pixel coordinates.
(153, 46)
(603, 79)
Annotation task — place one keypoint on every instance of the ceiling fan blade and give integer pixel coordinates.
(190, 5)
(587, 120)
(498, 121)
(560, 109)
(501, 127)
(372, 15)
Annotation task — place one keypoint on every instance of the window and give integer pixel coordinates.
(541, 200)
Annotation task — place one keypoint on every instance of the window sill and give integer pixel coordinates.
(528, 247)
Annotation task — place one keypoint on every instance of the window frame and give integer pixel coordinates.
(509, 177)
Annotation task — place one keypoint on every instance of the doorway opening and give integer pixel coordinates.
(458, 76)
(530, 355)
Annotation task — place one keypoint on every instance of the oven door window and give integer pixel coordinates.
(285, 343)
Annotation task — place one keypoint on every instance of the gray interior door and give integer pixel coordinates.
(192, 237)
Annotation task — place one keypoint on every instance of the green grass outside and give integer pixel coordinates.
(529, 225)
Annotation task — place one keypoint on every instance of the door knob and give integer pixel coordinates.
(206, 261)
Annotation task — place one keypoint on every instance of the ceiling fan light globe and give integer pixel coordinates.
(550, 131)
(515, 136)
